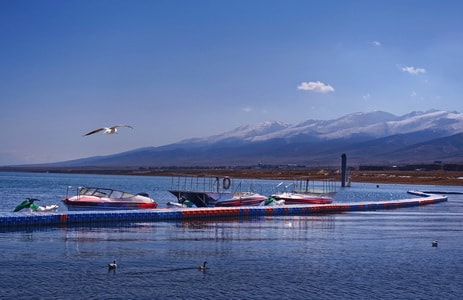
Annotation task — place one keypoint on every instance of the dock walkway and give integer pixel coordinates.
(33, 219)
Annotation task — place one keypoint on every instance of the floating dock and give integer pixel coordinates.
(33, 219)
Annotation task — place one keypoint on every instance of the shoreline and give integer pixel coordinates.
(384, 177)
(419, 177)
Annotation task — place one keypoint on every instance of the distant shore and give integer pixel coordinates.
(453, 178)
(391, 177)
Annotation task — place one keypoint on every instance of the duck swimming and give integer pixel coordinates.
(203, 267)
(112, 266)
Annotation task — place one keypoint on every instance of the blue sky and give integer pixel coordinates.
(182, 69)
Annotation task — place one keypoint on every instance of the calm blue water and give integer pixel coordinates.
(356, 255)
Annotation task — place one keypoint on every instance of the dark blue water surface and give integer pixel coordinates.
(383, 254)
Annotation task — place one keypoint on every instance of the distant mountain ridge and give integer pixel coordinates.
(367, 138)
(374, 124)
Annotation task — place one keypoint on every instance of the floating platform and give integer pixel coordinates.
(33, 219)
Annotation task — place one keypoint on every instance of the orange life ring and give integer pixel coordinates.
(226, 182)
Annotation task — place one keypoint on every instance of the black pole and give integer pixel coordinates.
(343, 170)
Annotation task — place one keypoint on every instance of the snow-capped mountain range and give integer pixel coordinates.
(366, 138)
(374, 124)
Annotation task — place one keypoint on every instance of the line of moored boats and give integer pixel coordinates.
(195, 191)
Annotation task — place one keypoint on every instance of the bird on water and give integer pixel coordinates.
(203, 267)
(435, 243)
(112, 266)
(108, 130)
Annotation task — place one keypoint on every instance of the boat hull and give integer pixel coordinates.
(295, 198)
(105, 205)
(246, 200)
(213, 199)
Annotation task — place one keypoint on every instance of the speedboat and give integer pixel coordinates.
(299, 198)
(304, 192)
(212, 191)
(305, 185)
(93, 198)
(241, 199)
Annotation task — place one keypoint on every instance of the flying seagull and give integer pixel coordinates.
(107, 130)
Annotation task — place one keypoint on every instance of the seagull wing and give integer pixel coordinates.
(116, 126)
(95, 131)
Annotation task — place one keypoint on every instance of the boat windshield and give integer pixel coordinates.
(121, 195)
(86, 191)
(95, 192)
(102, 192)
(127, 195)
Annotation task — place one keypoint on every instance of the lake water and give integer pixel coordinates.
(383, 254)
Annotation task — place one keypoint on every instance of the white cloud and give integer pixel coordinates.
(318, 87)
(246, 109)
(413, 70)
(413, 94)
(366, 97)
(376, 44)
